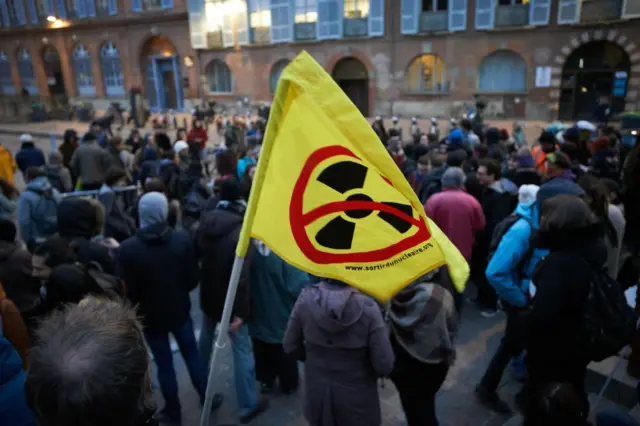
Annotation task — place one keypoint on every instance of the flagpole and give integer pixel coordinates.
(221, 338)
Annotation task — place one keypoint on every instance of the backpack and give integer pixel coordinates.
(112, 286)
(53, 175)
(169, 173)
(49, 222)
(501, 229)
(610, 323)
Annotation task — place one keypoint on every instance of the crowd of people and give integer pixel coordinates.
(88, 284)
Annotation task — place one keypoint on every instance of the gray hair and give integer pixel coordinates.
(90, 366)
(453, 177)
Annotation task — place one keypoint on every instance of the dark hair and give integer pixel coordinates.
(162, 141)
(69, 135)
(90, 366)
(116, 140)
(113, 175)
(597, 196)
(611, 185)
(89, 137)
(34, 172)
(569, 148)
(481, 151)
(424, 159)
(56, 251)
(465, 123)
(226, 163)
(565, 212)
(437, 159)
(456, 158)
(493, 167)
(7, 230)
(155, 185)
(558, 404)
(7, 189)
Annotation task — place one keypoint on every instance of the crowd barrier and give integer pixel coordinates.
(128, 194)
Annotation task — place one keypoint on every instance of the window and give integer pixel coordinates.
(6, 83)
(12, 13)
(356, 9)
(83, 8)
(27, 76)
(427, 73)
(306, 11)
(503, 71)
(219, 77)
(511, 2)
(82, 71)
(434, 5)
(259, 14)
(276, 71)
(107, 7)
(214, 11)
(111, 70)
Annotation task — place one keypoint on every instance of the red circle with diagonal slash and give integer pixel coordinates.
(299, 220)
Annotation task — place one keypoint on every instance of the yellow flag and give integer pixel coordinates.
(328, 198)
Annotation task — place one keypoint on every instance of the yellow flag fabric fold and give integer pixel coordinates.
(328, 198)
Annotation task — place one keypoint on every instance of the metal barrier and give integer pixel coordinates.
(128, 194)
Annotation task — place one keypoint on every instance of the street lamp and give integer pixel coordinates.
(51, 18)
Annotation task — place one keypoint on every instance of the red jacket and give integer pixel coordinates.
(199, 135)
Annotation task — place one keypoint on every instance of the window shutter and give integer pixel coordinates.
(197, 24)
(376, 18)
(81, 8)
(539, 12)
(485, 12)
(330, 19)
(242, 26)
(167, 4)
(4, 13)
(62, 10)
(136, 5)
(33, 14)
(113, 7)
(281, 21)
(457, 15)
(568, 11)
(631, 9)
(48, 8)
(409, 12)
(227, 30)
(91, 8)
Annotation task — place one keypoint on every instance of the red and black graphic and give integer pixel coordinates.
(348, 176)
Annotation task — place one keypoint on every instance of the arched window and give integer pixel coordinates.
(111, 70)
(6, 83)
(82, 71)
(27, 77)
(427, 73)
(503, 71)
(219, 77)
(276, 71)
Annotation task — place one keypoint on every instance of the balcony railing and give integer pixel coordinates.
(214, 39)
(356, 27)
(601, 10)
(260, 35)
(516, 15)
(305, 31)
(434, 21)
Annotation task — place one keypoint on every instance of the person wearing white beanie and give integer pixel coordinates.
(513, 258)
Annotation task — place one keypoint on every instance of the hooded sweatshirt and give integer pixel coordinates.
(38, 210)
(29, 156)
(90, 163)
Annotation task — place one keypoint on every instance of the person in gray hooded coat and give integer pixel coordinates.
(340, 334)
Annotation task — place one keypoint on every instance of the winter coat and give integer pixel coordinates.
(59, 177)
(38, 210)
(508, 272)
(149, 165)
(216, 241)
(8, 207)
(524, 176)
(67, 149)
(275, 287)
(497, 203)
(160, 268)
(614, 250)
(8, 165)
(117, 222)
(13, 327)
(556, 323)
(431, 184)
(340, 334)
(16, 276)
(29, 156)
(90, 163)
(198, 134)
(606, 164)
(563, 184)
(458, 215)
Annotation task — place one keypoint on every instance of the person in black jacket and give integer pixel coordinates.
(216, 240)
(555, 348)
(160, 268)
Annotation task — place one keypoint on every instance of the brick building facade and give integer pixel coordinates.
(539, 59)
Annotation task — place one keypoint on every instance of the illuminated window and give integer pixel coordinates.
(219, 77)
(111, 70)
(356, 8)
(83, 72)
(427, 73)
(306, 11)
(27, 77)
(259, 14)
(214, 11)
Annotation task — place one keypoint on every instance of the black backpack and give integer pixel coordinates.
(501, 229)
(53, 175)
(112, 286)
(610, 323)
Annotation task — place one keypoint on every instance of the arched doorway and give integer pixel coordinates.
(593, 70)
(53, 70)
(353, 78)
(161, 65)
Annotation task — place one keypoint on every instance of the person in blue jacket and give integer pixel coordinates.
(38, 208)
(29, 154)
(275, 287)
(509, 272)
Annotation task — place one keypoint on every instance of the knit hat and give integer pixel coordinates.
(572, 134)
(26, 138)
(456, 137)
(153, 208)
(179, 146)
(527, 194)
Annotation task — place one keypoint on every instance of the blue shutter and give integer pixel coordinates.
(330, 19)
(485, 13)
(81, 8)
(457, 15)
(376, 18)
(281, 21)
(178, 82)
(33, 12)
(409, 16)
(568, 11)
(113, 7)
(19, 5)
(136, 5)
(4, 13)
(197, 24)
(48, 8)
(62, 9)
(167, 4)
(539, 12)
(91, 8)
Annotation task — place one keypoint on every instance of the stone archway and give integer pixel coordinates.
(353, 78)
(632, 99)
(353, 54)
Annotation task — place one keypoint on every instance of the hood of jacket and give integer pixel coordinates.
(587, 242)
(529, 211)
(77, 218)
(7, 248)
(155, 234)
(335, 306)
(40, 185)
(218, 223)
(27, 145)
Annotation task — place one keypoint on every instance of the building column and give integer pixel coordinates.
(15, 72)
(64, 51)
(96, 70)
(124, 48)
(37, 63)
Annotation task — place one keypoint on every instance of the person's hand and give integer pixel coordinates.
(235, 324)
